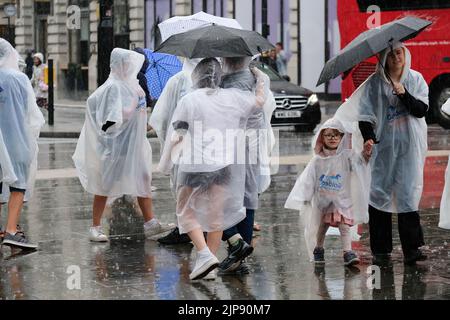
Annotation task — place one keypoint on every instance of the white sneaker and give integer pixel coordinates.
(96, 234)
(157, 229)
(201, 270)
(211, 276)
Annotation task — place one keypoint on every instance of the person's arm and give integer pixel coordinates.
(260, 89)
(367, 131)
(414, 106)
(107, 125)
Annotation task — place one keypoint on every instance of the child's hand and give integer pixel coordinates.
(367, 150)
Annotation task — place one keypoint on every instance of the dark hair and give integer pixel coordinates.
(280, 44)
(207, 74)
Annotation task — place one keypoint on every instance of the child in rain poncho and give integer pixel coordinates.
(393, 115)
(444, 216)
(332, 190)
(20, 123)
(176, 88)
(258, 148)
(211, 180)
(113, 156)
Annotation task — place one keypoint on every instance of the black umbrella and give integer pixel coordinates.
(215, 41)
(370, 43)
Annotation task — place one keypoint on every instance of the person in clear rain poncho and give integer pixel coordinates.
(175, 89)
(444, 215)
(207, 128)
(37, 80)
(332, 190)
(20, 123)
(390, 107)
(257, 149)
(113, 156)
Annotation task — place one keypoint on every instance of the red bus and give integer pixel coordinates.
(430, 50)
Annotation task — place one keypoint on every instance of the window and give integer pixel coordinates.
(393, 5)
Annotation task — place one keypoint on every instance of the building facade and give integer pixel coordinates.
(80, 34)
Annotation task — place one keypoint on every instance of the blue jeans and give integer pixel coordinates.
(244, 228)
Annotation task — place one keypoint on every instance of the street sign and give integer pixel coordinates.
(10, 10)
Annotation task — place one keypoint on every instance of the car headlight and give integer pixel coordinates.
(312, 100)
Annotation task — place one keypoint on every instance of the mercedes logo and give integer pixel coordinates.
(286, 103)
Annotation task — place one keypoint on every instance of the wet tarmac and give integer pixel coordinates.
(131, 267)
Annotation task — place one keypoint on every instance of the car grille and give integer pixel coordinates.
(291, 102)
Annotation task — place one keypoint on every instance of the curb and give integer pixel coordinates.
(70, 135)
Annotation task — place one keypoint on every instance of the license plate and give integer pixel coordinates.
(287, 114)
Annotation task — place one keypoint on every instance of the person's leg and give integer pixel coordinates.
(380, 229)
(12, 236)
(245, 227)
(319, 251)
(350, 258)
(15, 206)
(321, 234)
(206, 261)
(146, 207)
(96, 233)
(346, 237)
(213, 241)
(97, 209)
(411, 236)
(198, 239)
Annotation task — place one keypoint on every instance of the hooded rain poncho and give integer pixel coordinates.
(210, 181)
(117, 161)
(336, 183)
(398, 159)
(20, 124)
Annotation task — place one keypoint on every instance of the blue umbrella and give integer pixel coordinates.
(161, 67)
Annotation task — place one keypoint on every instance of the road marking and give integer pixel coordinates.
(284, 160)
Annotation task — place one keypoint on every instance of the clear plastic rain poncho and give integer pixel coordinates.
(331, 183)
(20, 124)
(176, 88)
(398, 159)
(206, 131)
(444, 217)
(117, 161)
(261, 139)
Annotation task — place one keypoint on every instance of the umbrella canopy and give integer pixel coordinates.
(180, 24)
(215, 41)
(370, 43)
(161, 67)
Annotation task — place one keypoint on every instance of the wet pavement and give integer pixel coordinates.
(131, 267)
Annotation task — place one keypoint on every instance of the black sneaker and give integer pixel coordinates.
(175, 237)
(350, 259)
(18, 240)
(2, 234)
(319, 255)
(414, 256)
(242, 269)
(236, 254)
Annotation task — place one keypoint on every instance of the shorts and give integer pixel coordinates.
(12, 189)
(204, 180)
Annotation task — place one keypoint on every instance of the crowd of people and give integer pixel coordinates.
(368, 159)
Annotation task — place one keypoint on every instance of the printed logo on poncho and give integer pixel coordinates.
(393, 113)
(331, 182)
(142, 104)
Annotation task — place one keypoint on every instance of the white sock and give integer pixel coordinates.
(203, 255)
(234, 239)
